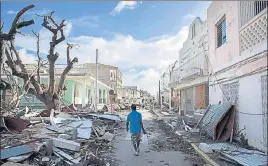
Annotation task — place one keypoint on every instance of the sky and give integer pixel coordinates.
(142, 38)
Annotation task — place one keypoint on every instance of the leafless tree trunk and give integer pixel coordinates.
(49, 97)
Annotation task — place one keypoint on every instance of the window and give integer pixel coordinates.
(193, 30)
(100, 97)
(259, 6)
(104, 97)
(221, 33)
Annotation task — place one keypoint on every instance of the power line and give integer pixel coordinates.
(220, 85)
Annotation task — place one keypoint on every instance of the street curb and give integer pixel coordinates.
(199, 151)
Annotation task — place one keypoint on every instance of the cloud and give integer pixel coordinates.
(86, 21)
(146, 80)
(45, 38)
(123, 5)
(40, 12)
(132, 70)
(25, 57)
(189, 17)
(148, 57)
(11, 12)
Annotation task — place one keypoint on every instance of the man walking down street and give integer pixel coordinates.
(134, 121)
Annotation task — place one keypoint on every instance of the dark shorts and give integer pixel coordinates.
(135, 138)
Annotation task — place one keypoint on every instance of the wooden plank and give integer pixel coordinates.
(204, 156)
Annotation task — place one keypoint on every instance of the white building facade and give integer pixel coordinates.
(190, 79)
(237, 32)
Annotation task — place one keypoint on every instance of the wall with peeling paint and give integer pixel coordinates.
(232, 66)
(250, 102)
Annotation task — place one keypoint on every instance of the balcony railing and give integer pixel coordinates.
(253, 22)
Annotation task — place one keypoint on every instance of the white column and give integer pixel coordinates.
(84, 94)
(93, 93)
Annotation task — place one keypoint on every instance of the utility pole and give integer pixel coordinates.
(96, 90)
(170, 95)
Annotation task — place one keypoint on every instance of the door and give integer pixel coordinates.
(264, 108)
(189, 101)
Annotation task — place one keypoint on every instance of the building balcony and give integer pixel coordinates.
(193, 73)
(253, 33)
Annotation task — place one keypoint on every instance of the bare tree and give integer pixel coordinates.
(49, 97)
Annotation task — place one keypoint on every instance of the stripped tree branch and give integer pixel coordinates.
(48, 96)
(18, 61)
(17, 25)
(52, 57)
(38, 56)
(67, 69)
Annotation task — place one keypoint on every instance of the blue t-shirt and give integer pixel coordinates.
(134, 119)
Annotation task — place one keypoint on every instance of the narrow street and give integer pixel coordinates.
(158, 153)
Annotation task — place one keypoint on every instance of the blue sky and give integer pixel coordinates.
(141, 38)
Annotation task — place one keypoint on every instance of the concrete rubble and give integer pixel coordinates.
(58, 138)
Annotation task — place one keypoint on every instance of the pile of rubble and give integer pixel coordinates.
(57, 138)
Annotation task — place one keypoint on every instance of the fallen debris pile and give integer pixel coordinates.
(218, 122)
(73, 138)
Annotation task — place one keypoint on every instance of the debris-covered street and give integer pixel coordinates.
(133, 83)
(165, 147)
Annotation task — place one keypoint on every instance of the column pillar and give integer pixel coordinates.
(84, 94)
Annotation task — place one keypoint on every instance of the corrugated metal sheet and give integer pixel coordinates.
(15, 151)
(243, 156)
(212, 117)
